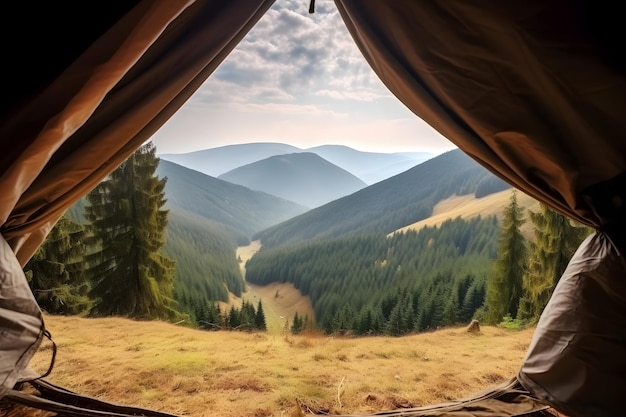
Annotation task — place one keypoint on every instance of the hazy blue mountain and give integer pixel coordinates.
(237, 208)
(371, 167)
(217, 161)
(305, 178)
(390, 204)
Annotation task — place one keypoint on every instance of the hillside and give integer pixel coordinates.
(468, 206)
(216, 161)
(390, 204)
(241, 210)
(304, 178)
(371, 284)
(233, 374)
(204, 251)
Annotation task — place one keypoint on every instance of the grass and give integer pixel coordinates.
(468, 206)
(189, 372)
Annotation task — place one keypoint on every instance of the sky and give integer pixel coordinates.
(297, 78)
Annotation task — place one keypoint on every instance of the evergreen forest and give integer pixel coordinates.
(374, 284)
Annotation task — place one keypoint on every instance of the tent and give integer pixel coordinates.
(535, 91)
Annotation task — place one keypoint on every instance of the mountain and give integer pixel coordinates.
(207, 219)
(240, 210)
(305, 178)
(390, 204)
(217, 161)
(371, 167)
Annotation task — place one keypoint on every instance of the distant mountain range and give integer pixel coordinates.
(238, 209)
(370, 167)
(209, 217)
(304, 178)
(390, 204)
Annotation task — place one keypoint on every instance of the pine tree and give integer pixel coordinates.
(130, 275)
(556, 240)
(234, 318)
(297, 324)
(504, 286)
(55, 272)
(259, 318)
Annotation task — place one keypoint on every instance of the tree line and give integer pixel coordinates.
(209, 316)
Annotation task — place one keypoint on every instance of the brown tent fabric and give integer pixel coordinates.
(521, 86)
(576, 360)
(533, 90)
(95, 103)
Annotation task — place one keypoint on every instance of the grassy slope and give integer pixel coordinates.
(467, 206)
(194, 373)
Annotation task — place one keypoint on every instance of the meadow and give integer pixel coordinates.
(191, 372)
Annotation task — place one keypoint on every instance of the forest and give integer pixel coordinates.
(374, 284)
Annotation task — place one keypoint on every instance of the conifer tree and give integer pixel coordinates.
(130, 275)
(259, 318)
(504, 286)
(55, 272)
(556, 239)
(297, 324)
(234, 318)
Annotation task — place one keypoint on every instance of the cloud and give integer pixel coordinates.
(296, 77)
(302, 54)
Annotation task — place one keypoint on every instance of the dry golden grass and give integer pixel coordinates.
(468, 206)
(195, 373)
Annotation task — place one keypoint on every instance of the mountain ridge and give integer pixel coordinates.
(303, 177)
(371, 167)
(388, 205)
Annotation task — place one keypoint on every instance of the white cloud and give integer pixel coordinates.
(296, 78)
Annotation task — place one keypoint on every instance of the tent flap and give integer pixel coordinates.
(576, 358)
(21, 322)
(525, 88)
(93, 106)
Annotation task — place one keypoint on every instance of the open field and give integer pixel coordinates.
(190, 372)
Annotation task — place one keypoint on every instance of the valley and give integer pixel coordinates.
(281, 301)
(290, 300)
